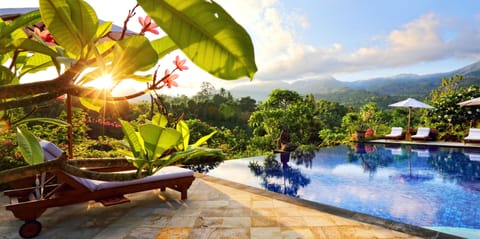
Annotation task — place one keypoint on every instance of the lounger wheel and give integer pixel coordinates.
(30, 229)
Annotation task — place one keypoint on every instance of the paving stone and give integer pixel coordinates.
(264, 232)
(214, 209)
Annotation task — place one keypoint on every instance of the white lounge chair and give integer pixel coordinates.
(423, 133)
(396, 133)
(473, 135)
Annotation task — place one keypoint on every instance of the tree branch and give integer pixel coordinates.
(58, 84)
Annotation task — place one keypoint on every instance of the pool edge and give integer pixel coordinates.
(361, 217)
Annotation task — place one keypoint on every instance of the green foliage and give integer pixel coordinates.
(11, 158)
(207, 34)
(450, 119)
(357, 98)
(29, 147)
(73, 24)
(153, 145)
(330, 137)
(368, 117)
(302, 117)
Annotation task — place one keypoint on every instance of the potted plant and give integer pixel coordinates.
(360, 133)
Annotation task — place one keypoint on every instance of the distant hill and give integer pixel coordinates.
(416, 85)
(383, 90)
(357, 98)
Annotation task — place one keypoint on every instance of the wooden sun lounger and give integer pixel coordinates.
(473, 136)
(423, 133)
(62, 189)
(396, 133)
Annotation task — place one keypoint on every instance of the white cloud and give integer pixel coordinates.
(420, 40)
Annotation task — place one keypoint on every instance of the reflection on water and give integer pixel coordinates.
(279, 176)
(423, 186)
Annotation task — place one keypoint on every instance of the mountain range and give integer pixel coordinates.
(357, 93)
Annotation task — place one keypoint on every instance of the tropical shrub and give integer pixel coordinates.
(448, 118)
(154, 145)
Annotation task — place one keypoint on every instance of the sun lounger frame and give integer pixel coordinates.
(62, 189)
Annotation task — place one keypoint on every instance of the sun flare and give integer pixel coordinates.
(104, 83)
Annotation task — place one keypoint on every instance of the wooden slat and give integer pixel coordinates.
(13, 200)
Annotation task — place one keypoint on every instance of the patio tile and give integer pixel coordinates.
(317, 221)
(210, 222)
(264, 221)
(291, 221)
(180, 221)
(236, 222)
(220, 233)
(237, 212)
(213, 210)
(262, 204)
(297, 233)
(264, 232)
(174, 233)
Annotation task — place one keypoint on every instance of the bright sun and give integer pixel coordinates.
(104, 83)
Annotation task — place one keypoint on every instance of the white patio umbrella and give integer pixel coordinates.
(474, 101)
(410, 103)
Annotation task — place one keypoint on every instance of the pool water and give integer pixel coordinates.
(436, 187)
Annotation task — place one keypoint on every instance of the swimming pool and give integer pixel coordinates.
(436, 187)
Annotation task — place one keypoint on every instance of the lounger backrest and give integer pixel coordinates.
(50, 150)
(396, 130)
(423, 131)
(474, 133)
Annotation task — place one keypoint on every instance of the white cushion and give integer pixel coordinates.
(474, 133)
(422, 132)
(396, 131)
(50, 150)
(168, 172)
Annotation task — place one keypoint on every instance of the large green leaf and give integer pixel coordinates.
(203, 140)
(73, 23)
(160, 120)
(29, 147)
(207, 34)
(6, 76)
(182, 127)
(35, 63)
(198, 154)
(31, 45)
(133, 54)
(92, 104)
(103, 29)
(136, 145)
(163, 46)
(157, 139)
(45, 120)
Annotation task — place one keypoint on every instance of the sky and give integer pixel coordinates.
(347, 40)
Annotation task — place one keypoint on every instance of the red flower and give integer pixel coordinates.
(180, 63)
(62, 97)
(45, 35)
(169, 79)
(148, 25)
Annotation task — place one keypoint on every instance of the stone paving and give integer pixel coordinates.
(215, 208)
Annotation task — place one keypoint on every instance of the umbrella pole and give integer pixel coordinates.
(407, 136)
(70, 129)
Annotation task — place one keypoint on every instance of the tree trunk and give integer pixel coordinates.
(73, 167)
